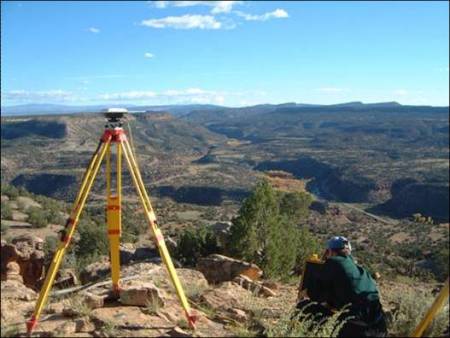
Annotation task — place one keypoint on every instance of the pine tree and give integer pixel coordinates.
(265, 231)
(249, 232)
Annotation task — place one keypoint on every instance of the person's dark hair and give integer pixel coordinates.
(342, 252)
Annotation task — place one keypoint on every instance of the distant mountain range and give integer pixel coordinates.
(177, 110)
(43, 109)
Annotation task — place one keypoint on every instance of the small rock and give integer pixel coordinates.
(271, 285)
(140, 294)
(266, 292)
(84, 325)
(178, 332)
(253, 286)
(93, 301)
(69, 312)
(238, 315)
(55, 308)
(66, 329)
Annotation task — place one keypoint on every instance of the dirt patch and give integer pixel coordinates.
(401, 237)
(285, 181)
(50, 230)
(27, 202)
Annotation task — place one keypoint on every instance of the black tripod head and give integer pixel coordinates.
(114, 116)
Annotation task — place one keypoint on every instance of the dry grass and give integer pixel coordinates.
(285, 181)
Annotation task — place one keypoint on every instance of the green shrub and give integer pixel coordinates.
(50, 245)
(6, 212)
(295, 205)
(9, 190)
(280, 254)
(265, 231)
(248, 233)
(37, 217)
(412, 306)
(133, 225)
(195, 243)
(93, 239)
(4, 228)
(299, 324)
(440, 260)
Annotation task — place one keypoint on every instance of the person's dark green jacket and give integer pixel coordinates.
(341, 282)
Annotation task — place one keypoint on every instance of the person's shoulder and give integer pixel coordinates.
(341, 260)
(338, 258)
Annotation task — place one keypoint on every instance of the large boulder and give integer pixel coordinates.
(219, 268)
(27, 251)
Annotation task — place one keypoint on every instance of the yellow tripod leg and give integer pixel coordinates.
(65, 240)
(151, 218)
(437, 305)
(114, 220)
(113, 215)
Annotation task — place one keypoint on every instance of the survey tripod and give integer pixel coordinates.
(113, 135)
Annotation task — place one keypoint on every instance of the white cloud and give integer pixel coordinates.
(224, 6)
(38, 96)
(184, 22)
(332, 90)
(170, 96)
(160, 4)
(148, 55)
(276, 14)
(401, 92)
(126, 96)
(94, 30)
(217, 6)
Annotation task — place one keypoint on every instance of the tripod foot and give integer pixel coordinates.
(31, 324)
(192, 318)
(116, 290)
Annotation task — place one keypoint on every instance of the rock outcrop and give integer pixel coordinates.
(27, 252)
(254, 286)
(219, 268)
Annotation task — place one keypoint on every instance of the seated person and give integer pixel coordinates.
(342, 282)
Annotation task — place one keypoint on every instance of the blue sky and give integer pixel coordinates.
(229, 53)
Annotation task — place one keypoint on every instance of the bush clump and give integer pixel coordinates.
(196, 243)
(300, 324)
(266, 231)
(37, 217)
(411, 308)
(6, 211)
(9, 190)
